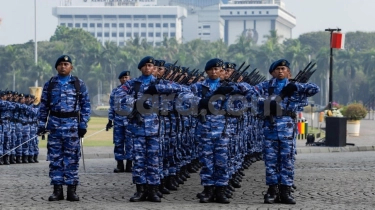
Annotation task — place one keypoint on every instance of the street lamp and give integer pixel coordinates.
(330, 88)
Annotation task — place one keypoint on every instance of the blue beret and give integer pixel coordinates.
(215, 62)
(168, 66)
(147, 59)
(281, 62)
(159, 63)
(65, 58)
(230, 65)
(124, 73)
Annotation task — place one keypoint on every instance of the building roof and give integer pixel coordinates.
(199, 3)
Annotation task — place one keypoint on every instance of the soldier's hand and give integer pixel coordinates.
(224, 90)
(151, 90)
(109, 125)
(288, 90)
(81, 132)
(41, 131)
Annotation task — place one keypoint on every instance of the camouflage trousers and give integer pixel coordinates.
(34, 148)
(64, 153)
(18, 132)
(119, 132)
(25, 138)
(146, 160)
(1, 140)
(7, 138)
(214, 152)
(13, 138)
(279, 151)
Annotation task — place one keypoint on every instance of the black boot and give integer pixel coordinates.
(152, 193)
(18, 159)
(228, 193)
(285, 195)
(6, 160)
(220, 195)
(178, 178)
(1, 161)
(129, 166)
(182, 176)
(190, 168)
(30, 159)
(235, 184)
(230, 187)
(162, 187)
(57, 194)
(120, 167)
(272, 194)
(36, 159)
(24, 159)
(204, 192)
(141, 193)
(71, 195)
(12, 159)
(169, 183)
(209, 195)
(186, 172)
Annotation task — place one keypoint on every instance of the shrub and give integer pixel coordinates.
(354, 111)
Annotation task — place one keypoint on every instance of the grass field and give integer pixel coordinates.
(103, 138)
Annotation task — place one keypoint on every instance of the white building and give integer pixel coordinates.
(255, 21)
(121, 23)
(185, 20)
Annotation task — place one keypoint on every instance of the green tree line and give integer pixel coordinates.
(98, 65)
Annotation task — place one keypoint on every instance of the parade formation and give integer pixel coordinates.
(168, 123)
(18, 140)
(172, 121)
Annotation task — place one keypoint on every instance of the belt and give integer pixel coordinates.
(64, 114)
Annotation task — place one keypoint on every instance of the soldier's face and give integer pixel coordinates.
(124, 79)
(282, 72)
(214, 72)
(155, 71)
(228, 72)
(64, 68)
(147, 69)
(161, 71)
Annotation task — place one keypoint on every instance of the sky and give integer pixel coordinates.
(17, 16)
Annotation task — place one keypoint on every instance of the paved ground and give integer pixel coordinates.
(328, 181)
(333, 179)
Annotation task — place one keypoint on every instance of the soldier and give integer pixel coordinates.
(213, 137)
(33, 128)
(145, 128)
(65, 101)
(120, 124)
(279, 130)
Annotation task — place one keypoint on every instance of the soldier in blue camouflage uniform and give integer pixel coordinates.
(279, 130)
(146, 127)
(4, 127)
(33, 129)
(120, 123)
(66, 104)
(213, 138)
(7, 115)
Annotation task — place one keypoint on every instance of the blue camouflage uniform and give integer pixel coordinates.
(279, 133)
(120, 123)
(145, 128)
(63, 123)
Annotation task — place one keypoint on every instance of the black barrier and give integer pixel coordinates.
(335, 131)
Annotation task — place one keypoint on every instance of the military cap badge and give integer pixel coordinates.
(66, 58)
